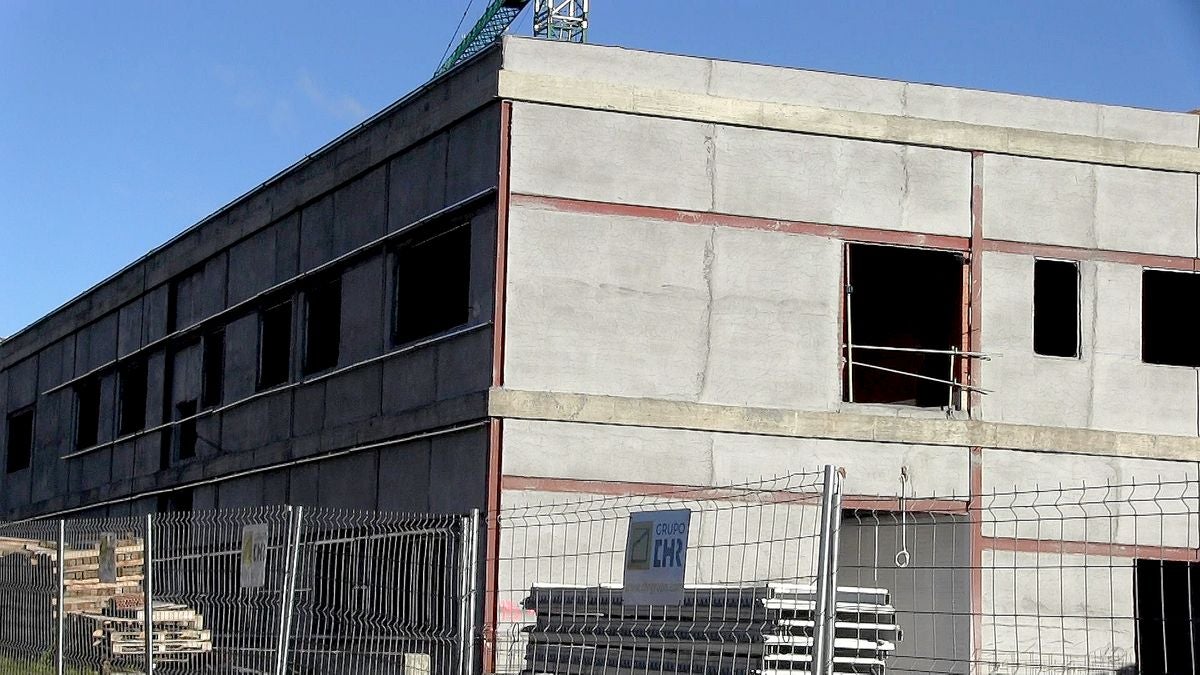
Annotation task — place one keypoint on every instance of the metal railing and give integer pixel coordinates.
(956, 381)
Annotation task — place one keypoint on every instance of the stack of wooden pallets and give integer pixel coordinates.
(117, 607)
(763, 629)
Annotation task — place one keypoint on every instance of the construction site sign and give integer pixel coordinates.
(254, 555)
(656, 557)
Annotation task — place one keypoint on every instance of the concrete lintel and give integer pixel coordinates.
(667, 414)
(844, 123)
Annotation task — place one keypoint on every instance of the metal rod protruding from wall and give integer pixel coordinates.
(148, 588)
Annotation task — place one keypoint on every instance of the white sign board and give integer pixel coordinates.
(656, 557)
(108, 558)
(254, 555)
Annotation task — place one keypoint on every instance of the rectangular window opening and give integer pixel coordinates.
(1170, 325)
(1056, 308)
(903, 310)
(186, 429)
(87, 413)
(322, 326)
(1167, 600)
(20, 441)
(213, 369)
(432, 284)
(132, 385)
(275, 346)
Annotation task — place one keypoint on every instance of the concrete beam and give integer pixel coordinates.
(703, 107)
(668, 414)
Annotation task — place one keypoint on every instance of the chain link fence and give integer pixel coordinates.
(272, 590)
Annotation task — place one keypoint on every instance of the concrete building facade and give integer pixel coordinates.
(578, 269)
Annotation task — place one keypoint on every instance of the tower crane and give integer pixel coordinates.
(565, 20)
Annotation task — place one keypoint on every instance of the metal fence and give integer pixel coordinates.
(793, 575)
(1090, 578)
(270, 590)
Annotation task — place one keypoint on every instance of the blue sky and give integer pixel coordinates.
(122, 123)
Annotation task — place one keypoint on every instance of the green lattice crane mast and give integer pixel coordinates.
(552, 19)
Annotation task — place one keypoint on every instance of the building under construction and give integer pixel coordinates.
(566, 269)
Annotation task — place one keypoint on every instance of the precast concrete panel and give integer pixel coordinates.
(648, 72)
(353, 396)
(241, 357)
(410, 379)
(363, 314)
(773, 328)
(23, 383)
(1087, 206)
(607, 64)
(605, 305)
(773, 174)
(404, 477)
(349, 482)
(473, 154)
(96, 344)
(804, 87)
(1129, 395)
(316, 233)
(458, 471)
(417, 182)
(309, 402)
(1105, 500)
(287, 248)
(129, 327)
(610, 157)
(360, 212)
(1059, 611)
(252, 264)
(1045, 114)
(1025, 387)
(464, 364)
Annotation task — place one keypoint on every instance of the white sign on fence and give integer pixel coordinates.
(656, 557)
(108, 558)
(254, 555)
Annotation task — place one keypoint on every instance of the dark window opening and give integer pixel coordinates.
(176, 500)
(1167, 599)
(1169, 322)
(132, 384)
(20, 441)
(322, 326)
(212, 381)
(186, 428)
(275, 346)
(432, 285)
(1056, 308)
(899, 300)
(87, 413)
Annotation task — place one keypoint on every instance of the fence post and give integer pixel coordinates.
(148, 591)
(825, 609)
(287, 597)
(467, 588)
(61, 618)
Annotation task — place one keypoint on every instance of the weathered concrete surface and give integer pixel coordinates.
(1071, 204)
(682, 457)
(628, 159)
(1046, 609)
(833, 91)
(705, 108)
(674, 414)
(637, 308)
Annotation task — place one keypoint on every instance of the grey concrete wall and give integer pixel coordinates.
(648, 161)
(1108, 387)
(845, 92)
(630, 307)
(837, 91)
